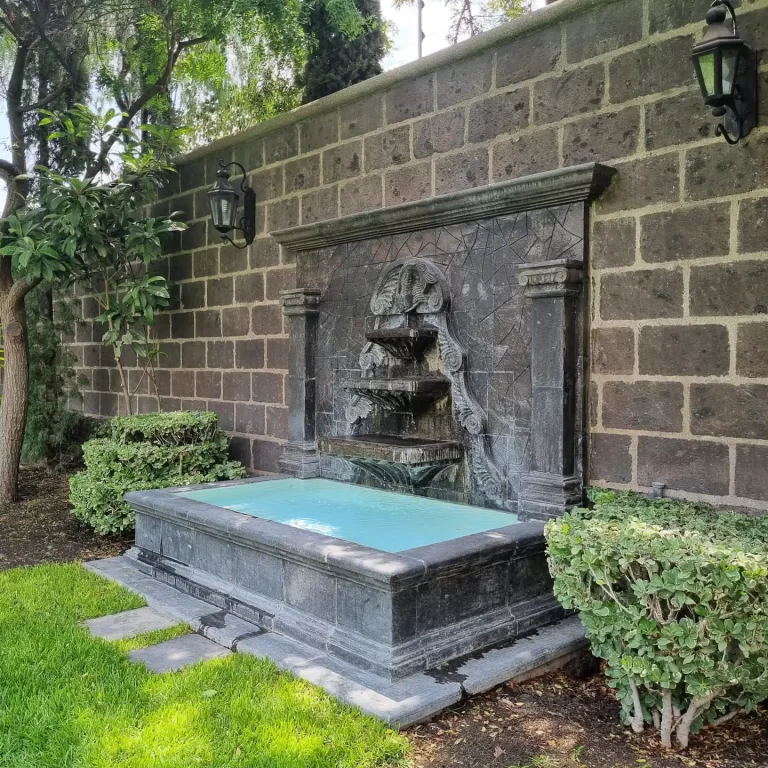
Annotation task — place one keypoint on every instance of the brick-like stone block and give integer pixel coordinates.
(652, 69)
(752, 471)
(277, 354)
(601, 138)
(461, 171)
(206, 263)
(281, 144)
(664, 15)
(410, 99)
(491, 117)
(677, 120)
(219, 292)
(301, 174)
(249, 353)
(753, 225)
(208, 323)
(684, 350)
(267, 387)
(641, 295)
(236, 386)
(193, 354)
(528, 57)
(249, 288)
(524, 155)
(438, 133)
(236, 321)
(182, 326)
(170, 355)
(208, 384)
(192, 295)
(232, 259)
(414, 182)
(610, 460)
(180, 267)
(656, 406)
(283, 214)
(342, 162)
(606, 28)
(195, 235)
(225, 412)
(361, 195)
(613, 350)
(738, 288)
(250, 154)
(575, 92)
(320, 205)
(277, 421)
(268, 184)
(240, 450)
(249, 419)
(267, 320)
(264, 252)
(392, 147)
(221, 354)
(464, 80)
(696, 466)
(318, 132)
(639, 183)
(362, 116)
(687, 233)
(266, 455)
(752, 350)
(715, 170)
(192, 174)
(613, 243)
(730, 410)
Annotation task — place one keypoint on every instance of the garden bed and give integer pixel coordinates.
(40, 528)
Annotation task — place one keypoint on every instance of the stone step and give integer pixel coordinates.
(121, 626)
(178, 653)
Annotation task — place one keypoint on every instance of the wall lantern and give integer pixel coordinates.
(223, 201)
(726, 69)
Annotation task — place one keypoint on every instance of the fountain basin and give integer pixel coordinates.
(392, 613)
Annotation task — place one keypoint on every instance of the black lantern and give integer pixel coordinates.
(725, 68)
(223, 201)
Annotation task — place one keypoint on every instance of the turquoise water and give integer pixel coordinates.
(391, 522)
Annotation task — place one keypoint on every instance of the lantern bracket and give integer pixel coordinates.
(248, 219)
(740, 116)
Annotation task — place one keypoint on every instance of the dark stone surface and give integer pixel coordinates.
(361, 195)
(683, 465)
(641, 295)
(677, 120)
(665, 15)
(613, 350)
(281, 144)
(685, 350)
(730, 410)
(605, 28)
(524, 155)
(505, 113)
(319, 131)
(383, 150)
(739, 288)
(320, 205)
(575, 92)
(613, 243)
(361, 117)
(639, 183)
(600, 138)
(461, 171)
(303, 173)
(410, 99)
(753, 225)
(528, 57)
(648, 405)
(687, 233)
(752, 350)
(438, 133)
(342, 162)
(751, 474)
(408, 184)
(464, 80)
(609, 458)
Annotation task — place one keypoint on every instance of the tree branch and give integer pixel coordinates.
(52, 96)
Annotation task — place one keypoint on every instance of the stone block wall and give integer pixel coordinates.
(678, 245)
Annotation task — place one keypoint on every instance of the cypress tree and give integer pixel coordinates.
(336, 61)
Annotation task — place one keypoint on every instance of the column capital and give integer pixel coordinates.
(545, 279)
(300, 301)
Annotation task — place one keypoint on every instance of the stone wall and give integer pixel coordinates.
(678, 254)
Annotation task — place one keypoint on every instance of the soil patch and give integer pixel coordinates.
(564, 721)
(40, 527)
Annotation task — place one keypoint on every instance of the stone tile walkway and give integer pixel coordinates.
(400, 704)
(121, 626)
(178, 653)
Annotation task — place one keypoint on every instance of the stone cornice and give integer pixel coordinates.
(542, 190)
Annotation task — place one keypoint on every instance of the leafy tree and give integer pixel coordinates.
(337, 60)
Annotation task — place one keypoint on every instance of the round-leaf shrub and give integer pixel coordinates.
(674, 596)
(138, 453)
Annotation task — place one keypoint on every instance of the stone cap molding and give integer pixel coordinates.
(520, 27)
(542, 190)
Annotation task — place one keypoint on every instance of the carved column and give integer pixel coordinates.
(301, 308)
(553, 484)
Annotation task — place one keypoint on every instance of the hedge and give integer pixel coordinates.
(143, 452)
(674, 596)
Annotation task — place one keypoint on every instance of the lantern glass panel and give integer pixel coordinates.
(730, 64)
(707, 69)
(223, 204)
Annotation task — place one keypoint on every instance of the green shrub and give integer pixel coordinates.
(674, 596)
(157, 450)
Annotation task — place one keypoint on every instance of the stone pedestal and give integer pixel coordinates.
(553, 484)
(300, 458)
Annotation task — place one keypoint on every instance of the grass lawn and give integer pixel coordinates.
(68, 700)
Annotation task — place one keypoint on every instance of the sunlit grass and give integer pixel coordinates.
(68, 700)
(153, 638)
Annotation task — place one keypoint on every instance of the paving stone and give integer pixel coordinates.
(178, 653)
(281, 651)
(120, 626)
(227, 629)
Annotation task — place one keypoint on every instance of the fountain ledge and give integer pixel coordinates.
(578, 183)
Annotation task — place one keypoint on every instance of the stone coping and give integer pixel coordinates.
(520, 27)
(540, 190)
(390, 568)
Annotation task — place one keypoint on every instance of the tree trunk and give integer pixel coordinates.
(13, 406)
